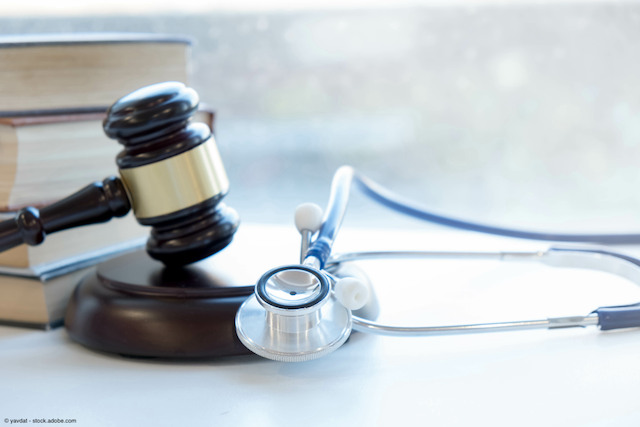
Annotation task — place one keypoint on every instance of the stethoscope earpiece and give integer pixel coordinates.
(351, 293)
(308, 219)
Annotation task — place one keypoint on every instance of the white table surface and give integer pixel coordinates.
(570, 377)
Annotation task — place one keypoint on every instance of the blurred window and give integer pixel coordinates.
(518, 113)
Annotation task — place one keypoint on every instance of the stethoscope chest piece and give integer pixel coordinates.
(293, 317)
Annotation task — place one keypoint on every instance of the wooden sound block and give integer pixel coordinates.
(135, 306)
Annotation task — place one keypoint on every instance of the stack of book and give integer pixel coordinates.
(54, 93)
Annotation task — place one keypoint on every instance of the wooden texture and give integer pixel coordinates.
(98, 202)
(175, 309)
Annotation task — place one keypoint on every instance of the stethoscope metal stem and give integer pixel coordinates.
(487, 256)
(364, 325)
(311, 261)
(293, 324)
(589, 258)
(304, 246)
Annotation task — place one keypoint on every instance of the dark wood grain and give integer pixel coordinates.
(135, 306)
(97, 202)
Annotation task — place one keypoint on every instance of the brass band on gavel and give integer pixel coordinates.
(177, 182)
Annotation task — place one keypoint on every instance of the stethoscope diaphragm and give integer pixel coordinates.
(293, 316)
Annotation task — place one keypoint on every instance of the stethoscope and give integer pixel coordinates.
(304, 311)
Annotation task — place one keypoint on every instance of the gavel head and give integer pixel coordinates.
(173, 173)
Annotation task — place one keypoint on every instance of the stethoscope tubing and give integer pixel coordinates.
(607, 318)
(319, 255)
(345, 176)
(407, 207)
(368, 326)
(279, 332)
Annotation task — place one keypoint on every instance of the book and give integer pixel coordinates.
(47, 156)
(55, 71)
(39, 300)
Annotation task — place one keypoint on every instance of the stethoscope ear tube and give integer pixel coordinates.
(337, 207)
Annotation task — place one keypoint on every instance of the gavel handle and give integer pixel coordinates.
(95, 203)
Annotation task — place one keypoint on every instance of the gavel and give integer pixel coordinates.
(171, 174)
